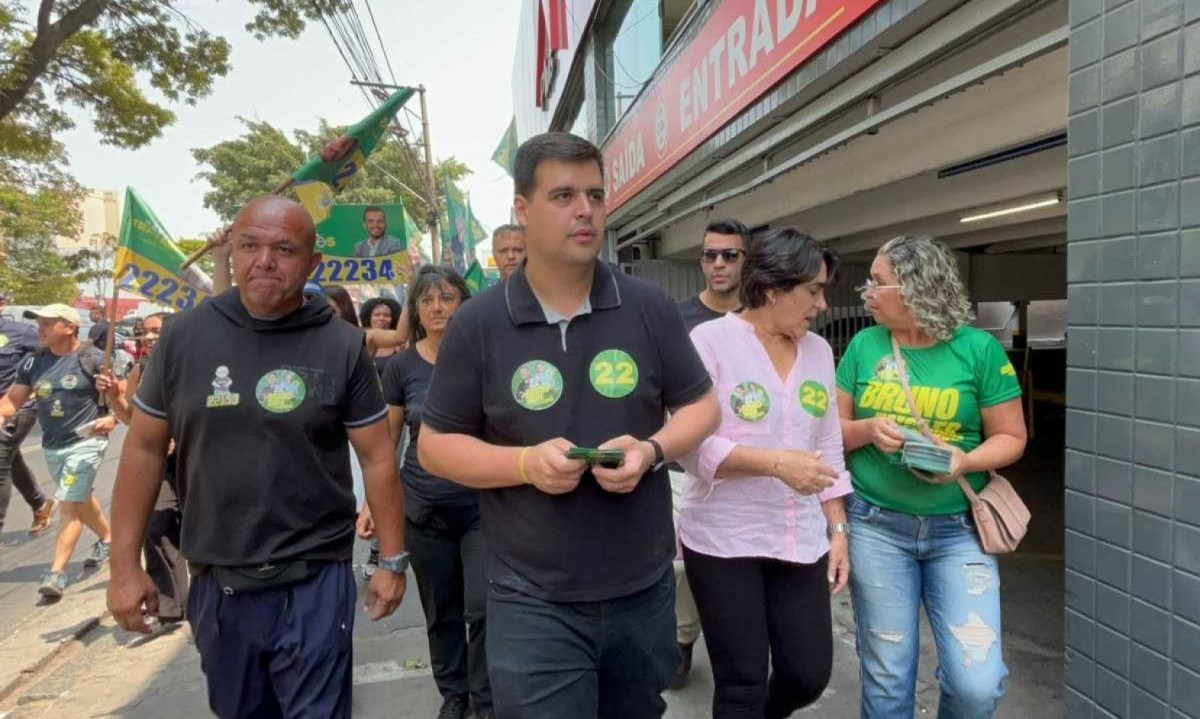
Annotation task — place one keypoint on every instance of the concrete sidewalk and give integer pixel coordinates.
(67, 659)
(108, 672)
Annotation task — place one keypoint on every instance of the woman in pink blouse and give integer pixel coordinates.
(762, 522)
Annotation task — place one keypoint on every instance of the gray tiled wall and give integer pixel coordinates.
(1133, 422)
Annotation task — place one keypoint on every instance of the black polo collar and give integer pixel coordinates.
(524, 307)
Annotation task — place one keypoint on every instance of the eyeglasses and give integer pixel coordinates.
(729, 255)
(873, 286)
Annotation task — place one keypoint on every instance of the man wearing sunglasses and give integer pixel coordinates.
(721, 260)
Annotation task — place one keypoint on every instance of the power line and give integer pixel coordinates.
(382, 46)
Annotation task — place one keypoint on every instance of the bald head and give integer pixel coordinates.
(274, 252)
(281, 213)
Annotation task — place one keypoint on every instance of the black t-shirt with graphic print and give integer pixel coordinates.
(66, 394)
(507, 376)
(259, 410)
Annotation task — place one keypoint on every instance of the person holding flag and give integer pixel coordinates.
(64, 377)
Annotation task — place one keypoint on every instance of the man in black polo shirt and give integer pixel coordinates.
(260, 412)
(721, 260)
(570, 352)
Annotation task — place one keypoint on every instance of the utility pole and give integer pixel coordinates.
(431, 195)
(431, 181)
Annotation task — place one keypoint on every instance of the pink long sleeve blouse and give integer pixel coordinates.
(761, 516)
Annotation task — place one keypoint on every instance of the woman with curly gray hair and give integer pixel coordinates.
(912, 540)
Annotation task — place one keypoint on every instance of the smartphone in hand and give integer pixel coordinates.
(607, 458)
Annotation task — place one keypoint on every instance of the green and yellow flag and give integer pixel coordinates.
(148, 260)
(328, 173)
(506, 152)
(475, 279)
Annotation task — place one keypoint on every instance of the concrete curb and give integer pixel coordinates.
(41, 663)
(27, 651)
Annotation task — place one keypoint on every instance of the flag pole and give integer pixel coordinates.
(209, 244)
(430, 180)
(110, 338)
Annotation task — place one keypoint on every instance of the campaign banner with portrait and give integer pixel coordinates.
(365, 245)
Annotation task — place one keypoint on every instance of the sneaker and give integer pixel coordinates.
(99, 554)
(685, 666)
(53, 585)
(42, 517)
(372, 563)
(454, 707)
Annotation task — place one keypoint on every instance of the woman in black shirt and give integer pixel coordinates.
(442, 529)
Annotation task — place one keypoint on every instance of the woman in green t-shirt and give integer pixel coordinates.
(913, 541)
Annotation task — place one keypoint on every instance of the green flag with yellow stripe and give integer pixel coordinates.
(148, 260)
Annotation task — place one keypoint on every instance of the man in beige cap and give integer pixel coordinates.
(67, 379)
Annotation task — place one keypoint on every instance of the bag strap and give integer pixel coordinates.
(902, 370)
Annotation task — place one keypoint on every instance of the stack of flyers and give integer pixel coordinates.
(920, 453)
(87, 430)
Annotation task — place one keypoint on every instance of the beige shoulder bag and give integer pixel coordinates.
(1001, 518)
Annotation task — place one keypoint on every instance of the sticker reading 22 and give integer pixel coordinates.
(355, 269)
(167, 290)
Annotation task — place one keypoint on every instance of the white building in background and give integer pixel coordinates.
(101, 210)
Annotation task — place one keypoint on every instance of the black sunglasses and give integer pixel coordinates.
(729, 255)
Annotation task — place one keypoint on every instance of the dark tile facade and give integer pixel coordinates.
(1133, 450)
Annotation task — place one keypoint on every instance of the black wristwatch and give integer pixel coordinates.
(659, 457)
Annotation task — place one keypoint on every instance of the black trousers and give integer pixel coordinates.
(164, 563)
(449, 561)
(13, 470)
(758, 611)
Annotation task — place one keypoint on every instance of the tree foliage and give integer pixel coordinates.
(263, 156)
(126, 64)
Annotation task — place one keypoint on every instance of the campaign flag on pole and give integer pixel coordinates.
(457, 234)
(476, 282)
(148, 260)
(506, 152)
(328, 173)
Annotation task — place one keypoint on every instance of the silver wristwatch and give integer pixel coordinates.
(839, 528)
(396, 565)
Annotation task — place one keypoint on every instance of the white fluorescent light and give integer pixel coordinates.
(1024, 207)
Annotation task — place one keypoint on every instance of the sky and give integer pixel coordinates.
(461, 51)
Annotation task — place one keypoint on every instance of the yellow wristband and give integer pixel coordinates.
(521, 465)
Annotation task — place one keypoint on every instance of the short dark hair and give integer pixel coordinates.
(780, 260)
(729, 227)
(561, 146)
(431, 276)
(374, 208)
(345, 305)
(368, 309)
(507, 230)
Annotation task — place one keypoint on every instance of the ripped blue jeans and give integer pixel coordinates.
(899, 561)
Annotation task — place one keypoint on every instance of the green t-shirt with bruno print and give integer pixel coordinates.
(951, 382)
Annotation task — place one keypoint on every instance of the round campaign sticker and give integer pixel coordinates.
(280, 391)
(537, 385)
(43, 388)
(750, 401)
(70, 382)
(814, 398)
(613, 373)
(3, 341)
